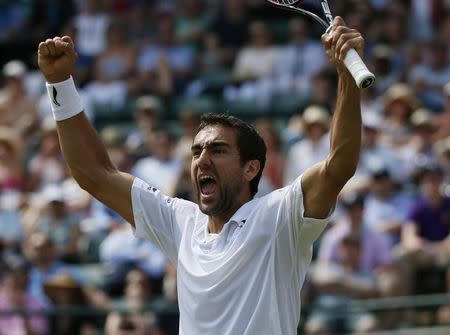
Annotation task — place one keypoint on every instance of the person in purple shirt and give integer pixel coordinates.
(426, 234)
(13, 295)
(375, 249)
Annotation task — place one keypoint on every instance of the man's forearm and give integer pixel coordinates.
(345, 131)
(83, 151)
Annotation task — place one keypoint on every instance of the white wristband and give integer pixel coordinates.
(64, 99)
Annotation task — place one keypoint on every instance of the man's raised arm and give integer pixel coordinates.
(322, 183)
(83, 151)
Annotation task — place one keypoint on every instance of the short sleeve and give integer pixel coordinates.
(304, 230)
(159, 218)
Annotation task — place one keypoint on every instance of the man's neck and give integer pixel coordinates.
(216, 222)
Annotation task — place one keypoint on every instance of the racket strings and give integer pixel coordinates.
(284, 2)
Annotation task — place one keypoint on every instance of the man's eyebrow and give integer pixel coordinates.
(214, 144)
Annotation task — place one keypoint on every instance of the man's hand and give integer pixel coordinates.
(339, 41)
(56, 58)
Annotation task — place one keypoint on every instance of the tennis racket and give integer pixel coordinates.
(363, 77)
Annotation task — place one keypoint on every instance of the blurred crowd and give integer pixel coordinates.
(146, 72)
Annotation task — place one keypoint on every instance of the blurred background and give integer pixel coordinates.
(146, 71)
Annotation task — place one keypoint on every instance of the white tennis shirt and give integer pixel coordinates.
(246, 280)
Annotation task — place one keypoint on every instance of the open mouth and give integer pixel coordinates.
(208, 185)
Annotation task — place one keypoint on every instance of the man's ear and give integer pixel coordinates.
(251, 169)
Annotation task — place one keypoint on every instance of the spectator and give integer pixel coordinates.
(399, 103)
(162, 168)
(147, 117)
(17, 109)
(11, 168)
(121, 251)
(189, 120)
(13, 295)
(313, 148)
(183, 185)
(375, 253)
(40, 251)
(386, 209)
(47, 165)
(381, 60)
(431, 75)
(300, 59)
(338, 285)
(48, 17)
(275, 157)
(259, 58)
(137, 293)
(91, 26)
(113, 67)
(230, 25)
(191, 23)
(443, 119)
(64, 291)
(165, 52)
(426, 234)
(419, 151)
(52, 218)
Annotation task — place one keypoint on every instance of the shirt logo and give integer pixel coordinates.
(54, 95)
(241, 224)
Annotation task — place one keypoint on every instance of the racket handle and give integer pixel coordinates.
(363, 77)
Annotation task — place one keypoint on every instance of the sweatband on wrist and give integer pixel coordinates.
(64, 99)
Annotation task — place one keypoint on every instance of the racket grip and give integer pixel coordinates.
(355, 65)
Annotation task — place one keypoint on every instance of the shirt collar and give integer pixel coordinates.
(242, 214)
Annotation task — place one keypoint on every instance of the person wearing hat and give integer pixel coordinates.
(52, 217)
(147, 115)
(314, 147)
(17, 108)
(64, 290)
(420, 150)
(399, 102)
(373, 150)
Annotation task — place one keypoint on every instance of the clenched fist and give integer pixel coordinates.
(56, 58)
(340, 40)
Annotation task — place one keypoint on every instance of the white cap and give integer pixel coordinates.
(52, 193)
(14, 68)
(316, 114)
(372, 120)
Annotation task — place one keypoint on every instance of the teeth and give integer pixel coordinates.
(206, 178)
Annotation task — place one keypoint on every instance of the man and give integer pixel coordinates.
(426, 233)
(240, 261)
(375, 251)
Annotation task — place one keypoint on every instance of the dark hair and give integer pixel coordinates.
(250, 144)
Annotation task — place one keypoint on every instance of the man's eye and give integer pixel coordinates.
(219, 151)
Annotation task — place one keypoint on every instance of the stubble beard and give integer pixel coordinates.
(228, 195)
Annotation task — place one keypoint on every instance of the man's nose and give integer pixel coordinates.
(204, 160)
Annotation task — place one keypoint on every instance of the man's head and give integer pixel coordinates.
(431, 178)
(354, 207)
(228, 157)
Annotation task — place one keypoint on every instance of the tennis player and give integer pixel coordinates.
(241, 261)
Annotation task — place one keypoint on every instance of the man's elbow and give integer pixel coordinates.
(90, 181)
(340, 173)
